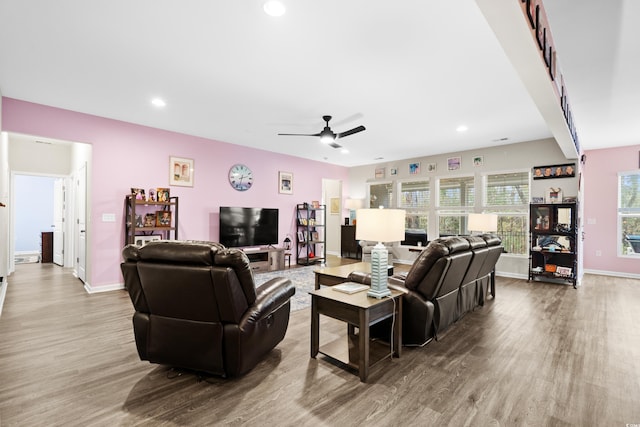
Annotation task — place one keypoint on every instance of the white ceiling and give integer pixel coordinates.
(409, 71)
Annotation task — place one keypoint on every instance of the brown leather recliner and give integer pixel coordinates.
(197, 307)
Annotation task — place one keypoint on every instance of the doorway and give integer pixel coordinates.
(63, 166)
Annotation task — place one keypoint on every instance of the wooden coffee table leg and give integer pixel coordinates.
(363, 344)
(315, 327)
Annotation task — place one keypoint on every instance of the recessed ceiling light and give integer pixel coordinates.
(158, 102)
(462, 128)
(344, 151)
(274, 8)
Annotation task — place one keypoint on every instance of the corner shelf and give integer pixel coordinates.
(310, 236)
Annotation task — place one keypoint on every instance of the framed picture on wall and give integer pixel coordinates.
(180, 171)
(453, 163)
(414, 168)
(379, 173)
(285, 182)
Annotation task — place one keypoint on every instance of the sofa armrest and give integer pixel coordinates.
(270, 295)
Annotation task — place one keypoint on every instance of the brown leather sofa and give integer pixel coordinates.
(450, 278)
(197, 307)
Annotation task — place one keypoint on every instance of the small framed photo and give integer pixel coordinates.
(285, 182)
(151, 197)
(379, 173)
(542, 218)
(453, 163)
(414, 168)
(537, 200)
(300, 236)
(567, 170)
(150, 220)
(163, 218)
(478, 161)
(315, 204)
(554, 195)
(162, 194)
(143, 240)
(432, 167)
(180, 171)
(138, 194)
(393, 171)
(314, 235)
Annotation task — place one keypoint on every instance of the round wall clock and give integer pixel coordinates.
(240, 177)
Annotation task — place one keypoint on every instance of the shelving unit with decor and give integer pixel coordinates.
(310, 236)
(138, 225)
(553, 247)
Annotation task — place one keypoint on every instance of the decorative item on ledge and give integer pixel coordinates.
(380, 225)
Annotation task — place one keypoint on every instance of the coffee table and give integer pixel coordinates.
(329, 276)
(358, 311)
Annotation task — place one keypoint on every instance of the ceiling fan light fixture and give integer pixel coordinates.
(274, 8)
(462, 128)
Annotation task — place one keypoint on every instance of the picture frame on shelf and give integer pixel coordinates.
(536, 200)
(163, 218)
(181, 171)
(162, 194)
(151, 196)
(414, 168)
(141, 240)
(150, 220)
(542, 218)
(554, 195)
(454, 163)
(300, 236)
(138, 194)
(314, 235)
(315, 204)
(285, 182)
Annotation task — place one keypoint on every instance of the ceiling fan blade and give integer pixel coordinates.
(351, 132)
(299, 134)
(335, 145)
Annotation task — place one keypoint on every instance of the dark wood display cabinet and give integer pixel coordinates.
(553, 249)
(348, 242)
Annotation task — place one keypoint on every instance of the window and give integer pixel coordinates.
(380, 195)
(629, 213)
(415, 200)
(456, 197)
(507, 194)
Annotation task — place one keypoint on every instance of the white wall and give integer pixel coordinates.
(504, 158)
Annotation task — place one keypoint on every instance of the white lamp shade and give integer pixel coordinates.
(482, 223)
(380, 225)
(354, 203)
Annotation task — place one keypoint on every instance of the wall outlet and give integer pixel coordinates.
(598, 253)
(108, 217)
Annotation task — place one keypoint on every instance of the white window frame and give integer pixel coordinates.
(624, 213)
(418, 211)
(462, 211)
(524, 207)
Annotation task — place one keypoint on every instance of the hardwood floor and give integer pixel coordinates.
(540, 354)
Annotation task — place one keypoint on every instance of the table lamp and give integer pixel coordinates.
(482, 223)
(380, 225)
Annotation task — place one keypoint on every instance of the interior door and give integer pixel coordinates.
(58, 221)
(81, 223)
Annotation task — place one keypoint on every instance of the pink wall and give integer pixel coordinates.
(126, 155)
(600, 208)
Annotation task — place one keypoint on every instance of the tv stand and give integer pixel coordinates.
(265, 259)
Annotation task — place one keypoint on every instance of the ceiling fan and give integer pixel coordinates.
(327, 135)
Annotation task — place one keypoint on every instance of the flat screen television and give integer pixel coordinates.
(240, 227)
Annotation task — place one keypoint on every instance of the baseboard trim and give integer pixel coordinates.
(613, 274)
(512, 275)
(3, 293)
(107, 288)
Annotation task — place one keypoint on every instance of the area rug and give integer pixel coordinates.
(302, 278)
(27, 258)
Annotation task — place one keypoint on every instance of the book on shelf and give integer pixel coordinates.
(350, 287)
